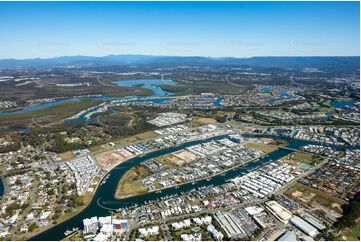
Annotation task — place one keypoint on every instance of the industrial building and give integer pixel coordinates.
(230, 226)
(304, 226)
(287, 236)
(313, 221)
(279, 211)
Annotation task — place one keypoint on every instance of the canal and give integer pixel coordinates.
(2, 188)
(103, 201)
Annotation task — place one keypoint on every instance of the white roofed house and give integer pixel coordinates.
(90, 225)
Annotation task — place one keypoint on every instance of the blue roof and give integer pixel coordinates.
(287, 236)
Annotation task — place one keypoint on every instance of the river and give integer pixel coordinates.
(104, 201)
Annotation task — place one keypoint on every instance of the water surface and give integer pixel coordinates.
(150, 84)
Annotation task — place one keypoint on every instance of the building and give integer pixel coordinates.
(304, 226)
(279, 211)
(107, 230)
(120, 224)
(104, 220)
(313, 221)
(287, 236)
(230, 225)
(214, 232)
(145, 232)
(90, 225)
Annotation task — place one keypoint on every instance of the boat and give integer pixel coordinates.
(105, 179)
(69, 232)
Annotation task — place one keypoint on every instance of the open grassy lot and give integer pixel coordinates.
(262, 147)
(67, 155)
(351, 234)
(137, 137)
(302, 157)
(128, 140)
(199, 121)
(315, 198)
(128, 184)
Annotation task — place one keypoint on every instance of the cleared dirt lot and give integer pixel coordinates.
(108, 160)
(315, 198)
(178, 158)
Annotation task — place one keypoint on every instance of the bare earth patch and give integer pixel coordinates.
(110, 159)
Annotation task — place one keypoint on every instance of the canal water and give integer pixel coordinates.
(104, 201)
(2, 188)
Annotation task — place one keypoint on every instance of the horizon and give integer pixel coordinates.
(185, 56)
(203, 29)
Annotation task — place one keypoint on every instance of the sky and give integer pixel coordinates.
(218, 29)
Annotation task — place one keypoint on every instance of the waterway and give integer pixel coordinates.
(2, 188)
(342, 103)
(104, 201)
(150, 84)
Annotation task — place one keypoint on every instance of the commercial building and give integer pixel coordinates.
(120, 224)
(278, 211)
(304, 226)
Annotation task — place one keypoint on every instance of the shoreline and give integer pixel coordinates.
(199, 179)
(96, 188)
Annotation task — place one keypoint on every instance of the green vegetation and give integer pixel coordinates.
(48, 115)
(199, 121)
(129, 183)
(312, 197)
(351, 234)
(68, 155)
(262, 147)
(349, 223)
(203, 86)
(302, 157)
(77, 236)
(32, 227)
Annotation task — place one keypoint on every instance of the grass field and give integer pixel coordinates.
(262, 147)
(302, 157)
(199, 121)
(316, 198)
(351, 234)
(128, 184)
(137, 137)
(67, 155)
(128, 140)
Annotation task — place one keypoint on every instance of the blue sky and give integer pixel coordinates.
(240, 29)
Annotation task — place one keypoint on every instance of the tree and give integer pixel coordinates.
(350, 211)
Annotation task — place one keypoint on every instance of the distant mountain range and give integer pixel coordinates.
(339, 62)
